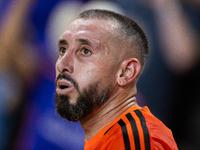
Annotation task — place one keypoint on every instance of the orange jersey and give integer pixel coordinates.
(135, 129)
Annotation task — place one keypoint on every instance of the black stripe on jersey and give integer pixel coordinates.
(125, 134)
(135, 131)
(108, 130)
(145, 129)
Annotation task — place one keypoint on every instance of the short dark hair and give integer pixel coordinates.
(128, 27)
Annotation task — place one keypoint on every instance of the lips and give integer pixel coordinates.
(64, 86)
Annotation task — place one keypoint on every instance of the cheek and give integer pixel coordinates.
(89, 75)
(85, 75)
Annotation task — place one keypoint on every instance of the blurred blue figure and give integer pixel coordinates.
(18, 71)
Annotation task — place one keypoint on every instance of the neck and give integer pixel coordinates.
(105, 115)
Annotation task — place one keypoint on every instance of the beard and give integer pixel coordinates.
(89, 99)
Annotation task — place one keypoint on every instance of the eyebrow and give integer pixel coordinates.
(62, 42)
(84, 41)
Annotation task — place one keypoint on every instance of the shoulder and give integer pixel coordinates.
(160, 135)
(137, 128)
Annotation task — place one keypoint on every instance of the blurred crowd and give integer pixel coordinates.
(29, 31)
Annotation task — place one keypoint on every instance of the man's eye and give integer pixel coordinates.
(85, 51)
(62, 50)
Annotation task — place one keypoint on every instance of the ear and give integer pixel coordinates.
(130, 69)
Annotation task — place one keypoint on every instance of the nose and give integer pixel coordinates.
(65, 63)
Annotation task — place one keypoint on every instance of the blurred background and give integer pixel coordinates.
(29, 31)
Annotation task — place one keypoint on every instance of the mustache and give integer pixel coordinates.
(67, 77)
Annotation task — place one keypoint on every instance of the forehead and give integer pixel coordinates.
(90, 28)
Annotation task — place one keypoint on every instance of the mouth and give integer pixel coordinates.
(63, 86)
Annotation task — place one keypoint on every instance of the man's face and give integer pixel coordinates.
(86, 68)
